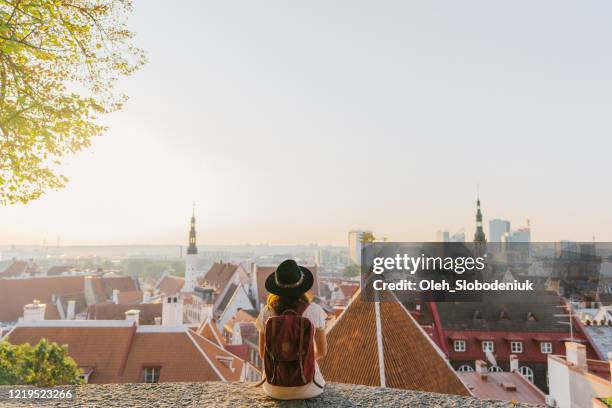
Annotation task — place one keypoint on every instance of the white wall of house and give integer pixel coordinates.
(572, 387)
(240, 300)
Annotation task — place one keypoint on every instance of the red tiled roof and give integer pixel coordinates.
(58, 270)
(410, 359)
(111, 311)
(118, 354)
(16, 293)
(121, 283)
(17, 268)
(51, 312)
(219, 357)
(491, 388)
(80, 304)
(210, 331)
(249, 332)
(171, 285)
(240, 316)
(175, 353)
(349, 290)
(264, 271)
(103, 348)
(131, 297)
(219, 275)
(238, 349)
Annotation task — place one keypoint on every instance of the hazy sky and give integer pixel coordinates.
(293, 122)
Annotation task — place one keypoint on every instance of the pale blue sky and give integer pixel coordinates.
(294, 122)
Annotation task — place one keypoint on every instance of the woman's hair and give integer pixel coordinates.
(281, 303)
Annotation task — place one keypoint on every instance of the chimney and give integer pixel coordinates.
(172, 310)
(34, 312)
(481, 369)
(514, 363)
(116, 296)
(157, 321)
(90, 293)
(133, 316)
(576, 354)
(70, 310)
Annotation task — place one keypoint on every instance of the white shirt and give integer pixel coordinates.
(316, 315)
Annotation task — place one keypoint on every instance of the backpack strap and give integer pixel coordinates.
(301, 308)
(301, 351)
(298, 310)
(273, 324)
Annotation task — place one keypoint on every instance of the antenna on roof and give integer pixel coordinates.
(569, 315)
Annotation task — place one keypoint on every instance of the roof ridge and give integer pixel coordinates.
(433, 343)
(221, 347)
(126, 355)
(195, 343)
(379, 345)
(209, 322)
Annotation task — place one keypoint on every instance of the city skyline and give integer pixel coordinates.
(284, 134)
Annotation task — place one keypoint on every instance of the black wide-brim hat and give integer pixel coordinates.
(289, 279)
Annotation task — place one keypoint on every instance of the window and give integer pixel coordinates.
(487, 346)
(546, 347)
(526, 372)
(460, 345)
(495, 369)
(151, 374)
(465, 368)
(516, 346)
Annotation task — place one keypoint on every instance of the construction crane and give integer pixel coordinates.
(368, 238)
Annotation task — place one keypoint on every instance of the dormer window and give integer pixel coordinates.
(226, 361)
(504, 316)
(531, 317)
(151, 374)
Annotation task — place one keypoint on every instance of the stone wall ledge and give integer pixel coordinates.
(218, 394)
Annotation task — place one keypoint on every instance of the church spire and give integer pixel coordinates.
(192, 249)
(479, 236)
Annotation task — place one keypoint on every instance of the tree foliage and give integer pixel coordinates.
(43, 365)
(351, 271)
(59, 61)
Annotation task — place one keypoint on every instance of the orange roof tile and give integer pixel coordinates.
(219, 274)
(51, 312)
(58, 270)
(210, 331)
(131, 297)
(119, 353)
(348, 290)
(103, 348)
(171, 285)
(176, 354)
(111, 311)
(240, 316)
(17, 268)
(219, 358)
(16, 293)
(491, 388)
(410, 359)
(121, 283)
(80, 304)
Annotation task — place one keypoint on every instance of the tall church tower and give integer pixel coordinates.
(479, 235)
(191, 259)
